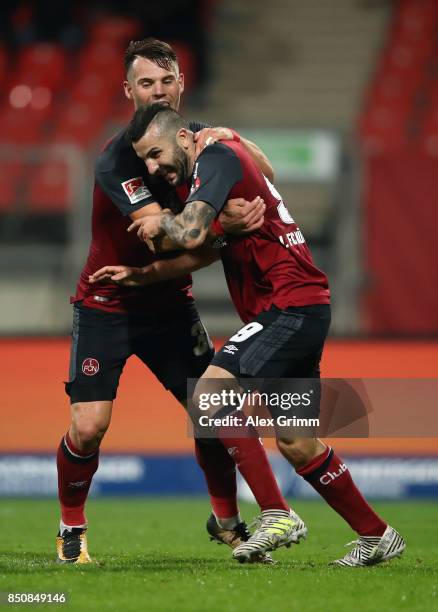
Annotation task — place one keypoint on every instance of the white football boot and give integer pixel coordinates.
(276, 528)
(370, 550)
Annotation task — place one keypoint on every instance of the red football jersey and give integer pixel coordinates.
(273, 266)
(122, 186)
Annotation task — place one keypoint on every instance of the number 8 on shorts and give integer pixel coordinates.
(246, 332)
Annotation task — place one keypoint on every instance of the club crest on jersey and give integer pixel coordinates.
(90, 366)
(196, 181)
(135, 189)
(196, 184)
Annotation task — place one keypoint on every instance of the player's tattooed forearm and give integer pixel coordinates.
(199, 214)
(188, 225)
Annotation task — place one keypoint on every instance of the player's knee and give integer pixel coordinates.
(90, 420)
(298, 451)
(88, 435)
(88, 432)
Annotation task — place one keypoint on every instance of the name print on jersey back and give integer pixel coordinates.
(290, 238)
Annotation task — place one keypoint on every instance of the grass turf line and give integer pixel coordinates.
(155, 554)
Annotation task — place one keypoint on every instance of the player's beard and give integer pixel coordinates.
(181, 163)
(180, 166)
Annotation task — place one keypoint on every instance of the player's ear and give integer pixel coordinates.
(128, 89)
(181, 82)
(182, 137)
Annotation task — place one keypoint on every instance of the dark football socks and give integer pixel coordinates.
(250, 457)
(75, 472)
(331, 478)
(220, 474)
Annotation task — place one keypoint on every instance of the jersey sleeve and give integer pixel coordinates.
(216, 171)
(125, 185)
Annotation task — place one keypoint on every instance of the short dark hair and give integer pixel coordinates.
(152, 49)
(167, 119)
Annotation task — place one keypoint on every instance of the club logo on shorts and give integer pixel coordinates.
(135, 189)
(230, 348)
(90, 366)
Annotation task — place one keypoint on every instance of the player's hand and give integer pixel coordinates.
(147, 227)
(126, 276)
(242, 217)
(209, 136)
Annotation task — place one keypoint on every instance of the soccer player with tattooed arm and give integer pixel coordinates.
(282, 298)
(160, 325)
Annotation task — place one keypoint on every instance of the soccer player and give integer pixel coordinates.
(280, 295)
(160, 325)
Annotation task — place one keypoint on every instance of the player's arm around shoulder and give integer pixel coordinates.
(159, 270)
(239, 217)
(152, 213)
(190, 228)
(210, 135)
(217, 170)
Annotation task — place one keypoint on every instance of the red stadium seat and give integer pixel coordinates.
(21, 125)
(383, 127)
(429, 133)
(103, 57)
(114, 30)
(94, 90)
(416, 18)
(394, 106)
(42, 63)
(78, 124)
(49, 188)
(392, 89)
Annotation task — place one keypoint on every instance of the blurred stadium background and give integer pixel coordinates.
(343, 98)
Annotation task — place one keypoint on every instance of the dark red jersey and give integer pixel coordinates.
(122, 186)
(273, 266)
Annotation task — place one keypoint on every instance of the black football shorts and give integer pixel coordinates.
(174, 347)
(280, 344)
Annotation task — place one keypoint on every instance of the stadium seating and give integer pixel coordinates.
(399, 136)
(78, 123)
(114, 30)
(49, 188)
(401, 94)
(42, 64)
(51, 96)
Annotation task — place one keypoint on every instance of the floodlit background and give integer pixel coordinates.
(341, 95)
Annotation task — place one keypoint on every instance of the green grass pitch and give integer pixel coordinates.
(154, 555)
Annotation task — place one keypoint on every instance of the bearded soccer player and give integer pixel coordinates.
(160, 325)
(278, 292)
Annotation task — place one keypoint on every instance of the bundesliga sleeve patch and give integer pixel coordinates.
(135, 189)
